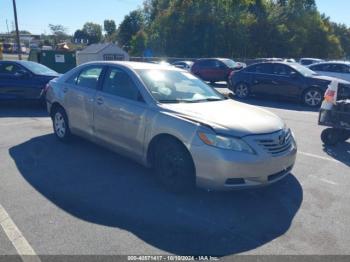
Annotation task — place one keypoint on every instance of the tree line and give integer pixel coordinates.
(225, 28)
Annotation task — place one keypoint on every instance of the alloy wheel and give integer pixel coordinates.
(242, 91)
(313, 98)
(60, 125)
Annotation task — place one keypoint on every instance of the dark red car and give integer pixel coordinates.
(214, 69)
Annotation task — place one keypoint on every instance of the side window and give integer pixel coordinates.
(9, 68)
(205, 64)
(281, 70)
(73, 79)
(251, 69)
(338, 68)
(118, 83)
(263, 69)
(318, 67)
(89, 77)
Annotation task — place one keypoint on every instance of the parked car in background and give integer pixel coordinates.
(335, 69)
(214, 69)
(24, 80)
(167, 118)
(289, 60)
(183, 65)
(267, 59)
(309, 61)
(281, 79)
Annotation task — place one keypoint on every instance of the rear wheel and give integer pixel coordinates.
(60, 124)
(312, 97)
(331, 136)
(174, 166)
(242, 90)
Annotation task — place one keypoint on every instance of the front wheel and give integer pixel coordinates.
(242, 90)
(60, 125)
(312, 97)
(174, 166)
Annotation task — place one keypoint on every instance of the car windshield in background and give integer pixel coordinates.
(39, 69)
(170, 86)
(230, 63)
(303, 70)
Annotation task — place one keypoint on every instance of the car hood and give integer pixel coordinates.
(228, 117)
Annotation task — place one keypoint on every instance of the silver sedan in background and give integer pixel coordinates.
(166, 118)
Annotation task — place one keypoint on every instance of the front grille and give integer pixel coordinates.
(278, 144)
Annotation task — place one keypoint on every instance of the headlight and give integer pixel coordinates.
(229, 143)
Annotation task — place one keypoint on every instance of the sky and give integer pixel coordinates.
(36, 15)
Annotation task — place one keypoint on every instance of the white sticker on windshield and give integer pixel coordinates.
(188, 75)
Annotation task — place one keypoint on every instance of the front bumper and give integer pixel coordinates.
(218, 169)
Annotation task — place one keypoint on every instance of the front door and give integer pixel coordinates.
(120, 113)
(286, 82)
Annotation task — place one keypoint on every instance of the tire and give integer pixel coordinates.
(61, 125)
(174, 166)
(312, 97)
(330, 136)
(242, 91)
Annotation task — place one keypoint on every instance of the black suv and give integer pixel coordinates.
(289, 80)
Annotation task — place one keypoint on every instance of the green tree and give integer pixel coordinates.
(138, 43)
(93, 31)
(59, 33)
(129, 27)
(110, 27)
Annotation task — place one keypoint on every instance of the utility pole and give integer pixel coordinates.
(17, 32)
(7, 25)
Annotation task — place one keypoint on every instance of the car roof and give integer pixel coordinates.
(310, 58)
(136, 65)
(334, 62)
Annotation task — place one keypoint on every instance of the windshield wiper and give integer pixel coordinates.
(206, 100)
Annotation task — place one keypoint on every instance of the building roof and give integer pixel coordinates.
(96, 48)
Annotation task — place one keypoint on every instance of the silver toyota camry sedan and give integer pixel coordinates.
(166, 118)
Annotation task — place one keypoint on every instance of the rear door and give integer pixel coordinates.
(80, 91)
(261, 79)
(120, 113)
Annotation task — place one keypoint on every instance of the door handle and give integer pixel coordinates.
(99, 100)
(274, 82)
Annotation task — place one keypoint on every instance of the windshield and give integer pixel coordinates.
(303, 70)
(170, 86)
(39, 69)
(230, 63)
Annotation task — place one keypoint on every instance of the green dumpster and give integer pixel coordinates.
(60, 61)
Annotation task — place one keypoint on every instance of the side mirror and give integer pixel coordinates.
(22, 74)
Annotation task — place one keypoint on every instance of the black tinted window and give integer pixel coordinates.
(338, 68)
(263, 69)
(281, 70)
(89, 77)
(118, 83)
(319, 67)
(9, 68)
